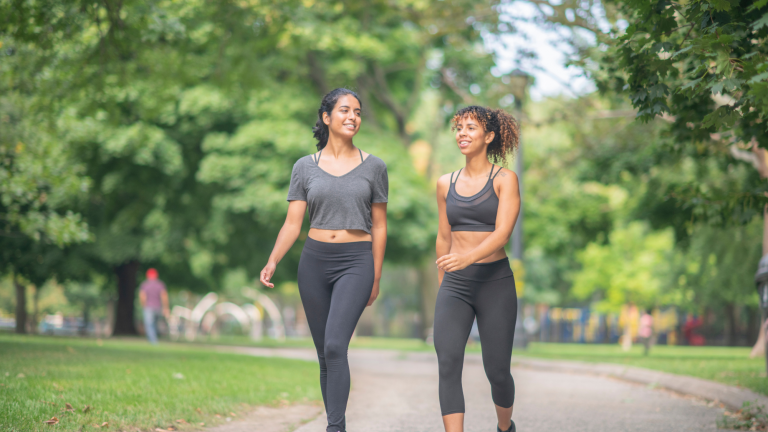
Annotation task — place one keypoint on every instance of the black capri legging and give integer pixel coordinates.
(335, 283)
(486, 291)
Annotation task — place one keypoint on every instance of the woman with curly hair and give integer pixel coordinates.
(345, 191)
(478, 207)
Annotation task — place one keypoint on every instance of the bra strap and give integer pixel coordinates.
(361, 156)
(457, 176)
(497, 172)
(317, 161)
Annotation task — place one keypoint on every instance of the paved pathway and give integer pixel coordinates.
(394, 392)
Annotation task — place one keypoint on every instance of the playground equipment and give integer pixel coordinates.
(206, 317)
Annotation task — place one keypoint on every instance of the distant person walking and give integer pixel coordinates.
(645, 332)
(346, 193)
(154, 301)
(478, 208)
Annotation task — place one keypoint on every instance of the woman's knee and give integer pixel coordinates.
(335, 350)
(499, 377)
(450, 363)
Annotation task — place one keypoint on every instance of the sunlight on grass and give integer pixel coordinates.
(728, 365)
(130, 383)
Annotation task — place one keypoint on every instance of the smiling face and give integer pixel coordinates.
(344, 121)
(471, 136)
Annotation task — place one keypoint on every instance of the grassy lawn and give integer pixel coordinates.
(728, 365)
(134, 386)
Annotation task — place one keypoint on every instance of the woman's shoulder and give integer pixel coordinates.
(445, 179)
(305, 160)
(375, 161)
(505, 175)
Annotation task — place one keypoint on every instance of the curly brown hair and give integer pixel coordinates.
(506, 128)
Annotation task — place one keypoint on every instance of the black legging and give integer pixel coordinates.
(335, 283)
(486, 291)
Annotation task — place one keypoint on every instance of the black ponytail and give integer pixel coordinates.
(326, 106)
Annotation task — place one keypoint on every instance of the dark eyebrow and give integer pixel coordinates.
(344, 106)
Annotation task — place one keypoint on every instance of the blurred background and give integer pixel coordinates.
(138, 134)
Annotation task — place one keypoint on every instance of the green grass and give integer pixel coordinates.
(728, 365)
(132, 385)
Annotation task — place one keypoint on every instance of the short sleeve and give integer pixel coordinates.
(381, 185)
(297, 191)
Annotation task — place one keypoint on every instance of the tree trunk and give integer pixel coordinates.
(126, 297)
(35, 310)
(21, 306)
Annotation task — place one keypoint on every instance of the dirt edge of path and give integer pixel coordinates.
(272, 419)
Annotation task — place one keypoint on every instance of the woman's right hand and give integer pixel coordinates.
(266, 275)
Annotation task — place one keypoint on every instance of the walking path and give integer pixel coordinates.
(394, 392)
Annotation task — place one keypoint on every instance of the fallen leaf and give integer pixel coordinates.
(159, 430)
(201, 424)
(52, 421)
(49, 403)
(87, 408)
(199, 410)
(68, 407)
(232, 414)
(218, 415)
(2, 385)
(20, 375)
(105, 424)
(171, 428)
(182, 421)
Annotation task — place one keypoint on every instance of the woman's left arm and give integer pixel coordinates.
(506, 217)
(379, 234)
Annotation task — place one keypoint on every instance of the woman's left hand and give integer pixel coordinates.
(374, 292)
(453, 262)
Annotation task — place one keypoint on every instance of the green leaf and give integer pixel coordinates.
(757, 5)
(762, 22)
(692, 84)
(686, 49)
(758, 78)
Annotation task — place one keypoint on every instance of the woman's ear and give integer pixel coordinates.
(489, 137)
(326, 119)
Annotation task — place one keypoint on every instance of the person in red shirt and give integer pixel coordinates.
(154, 301)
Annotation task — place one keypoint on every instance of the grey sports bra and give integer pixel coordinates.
(475, 213)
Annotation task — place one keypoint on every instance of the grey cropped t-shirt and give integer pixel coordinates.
(340, 202)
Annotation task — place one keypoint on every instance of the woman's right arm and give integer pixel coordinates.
(285, 239)
(443, 243)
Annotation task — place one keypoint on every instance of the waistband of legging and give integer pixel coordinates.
(484, 271)
(333, 248)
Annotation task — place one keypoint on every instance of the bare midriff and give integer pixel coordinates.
(339, 236)
(463, 242)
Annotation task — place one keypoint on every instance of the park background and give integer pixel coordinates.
(138, 134)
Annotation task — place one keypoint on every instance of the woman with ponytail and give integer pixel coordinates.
(346, 192)
(478, 207)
